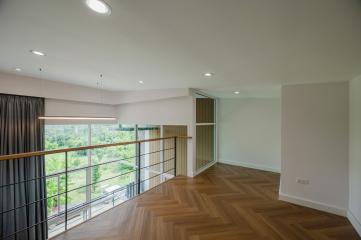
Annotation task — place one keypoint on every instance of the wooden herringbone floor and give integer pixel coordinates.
(225, 202)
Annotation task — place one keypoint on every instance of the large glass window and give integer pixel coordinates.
(116, 175)
(97, 185)
(65, 136)
(101, 178)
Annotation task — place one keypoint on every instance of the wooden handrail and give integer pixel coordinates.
(43, 153)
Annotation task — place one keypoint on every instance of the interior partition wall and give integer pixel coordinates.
(152, 155)
(177, 130)
(205, 131)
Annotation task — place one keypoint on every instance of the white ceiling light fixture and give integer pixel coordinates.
(99, 6)
(36, 52)
(18, 69)
(208, 74)
(236, 92)
(141, 82)
(77, 118)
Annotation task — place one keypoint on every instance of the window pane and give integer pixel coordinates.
(65, 136)
(60, 137)
(76, 197)
(111, 133)
(110, 180)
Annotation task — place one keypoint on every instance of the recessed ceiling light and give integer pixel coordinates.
(99, 6)
(141, 82)
(18, 69)
(208, 74)
(236, 92)
(36, 52)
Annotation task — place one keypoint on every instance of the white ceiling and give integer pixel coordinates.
(248, 44)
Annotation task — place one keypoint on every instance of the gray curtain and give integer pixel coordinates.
(21, 131)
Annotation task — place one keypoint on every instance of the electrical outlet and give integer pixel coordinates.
(303, 181)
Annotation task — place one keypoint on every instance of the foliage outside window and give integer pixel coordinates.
(68, 136)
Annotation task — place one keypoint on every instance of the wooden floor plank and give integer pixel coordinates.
(225, 202)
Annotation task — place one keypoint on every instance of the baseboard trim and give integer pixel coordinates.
(250, 165)
(202, 169)
(313, 204)
(354, 221)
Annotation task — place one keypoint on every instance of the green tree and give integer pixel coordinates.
(95, 176)
(66, 136)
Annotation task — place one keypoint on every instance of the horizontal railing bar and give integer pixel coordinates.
(99, 164)
(91, 184)
(62, 193)
(99, 198)
(84, 186)
(92, 201)
(43, 153)
(157, 175)
(82, 205)
(79, 169)
(157, 163)
(145, 154)
(109, 194)
(78, 207)
(61, 173)
(86, 167)
(104, 180)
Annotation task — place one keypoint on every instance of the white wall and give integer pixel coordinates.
(64, 99)
(354, 213)
(250, 132)
(315, 146)
(171, 111)
(61, 99)
(149, 95)
(21, 85)
(28, 86)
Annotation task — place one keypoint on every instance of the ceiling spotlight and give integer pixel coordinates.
(18, 69)
(36, 52)
(141, 82)
(99, 6)
(236, 92)
(208, 74)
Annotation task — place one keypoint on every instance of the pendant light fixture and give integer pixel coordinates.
(86, 118)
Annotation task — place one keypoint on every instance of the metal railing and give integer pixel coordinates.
(146, 170)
